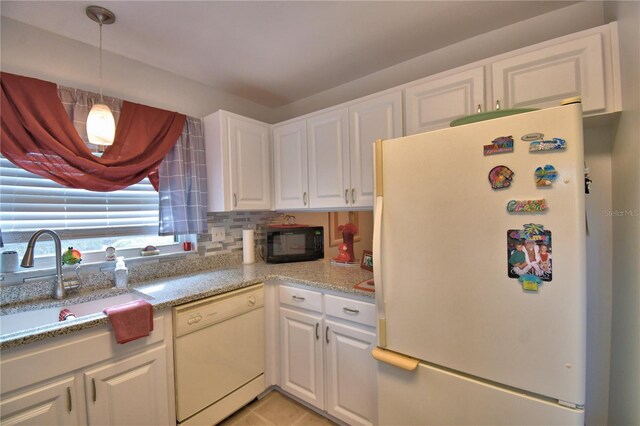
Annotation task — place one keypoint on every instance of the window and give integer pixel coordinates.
(87, 220)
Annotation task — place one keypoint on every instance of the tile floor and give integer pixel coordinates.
(276, 409)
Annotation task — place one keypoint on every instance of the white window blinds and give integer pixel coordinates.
(30, 202)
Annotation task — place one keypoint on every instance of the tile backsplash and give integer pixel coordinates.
(234, 223)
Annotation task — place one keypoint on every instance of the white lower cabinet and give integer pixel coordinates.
(351, 382)
(42, 382)
(48, 404)
(301, 356)
(128, 391)
(325, 353)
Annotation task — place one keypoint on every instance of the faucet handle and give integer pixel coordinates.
(73, 284)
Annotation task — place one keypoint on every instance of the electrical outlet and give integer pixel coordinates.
(217, 233)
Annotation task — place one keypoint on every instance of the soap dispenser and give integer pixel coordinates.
(121, 273)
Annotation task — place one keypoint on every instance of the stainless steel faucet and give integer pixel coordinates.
(59, 291)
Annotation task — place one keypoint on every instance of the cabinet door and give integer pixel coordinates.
(433, 104)
(291, 184)
(129, 391)
(328, 156)
(301, 356)
(250, 169)
(543, 77)
(351, 373)
(378, 118)
(51, 404)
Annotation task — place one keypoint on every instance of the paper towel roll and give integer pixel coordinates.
(248, 246)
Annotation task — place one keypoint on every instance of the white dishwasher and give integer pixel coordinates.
(218, 355)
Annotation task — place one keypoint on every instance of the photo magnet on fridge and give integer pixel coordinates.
(529, 253)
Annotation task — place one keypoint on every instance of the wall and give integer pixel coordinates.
(29, 51)
(598, 141)
(624, 406)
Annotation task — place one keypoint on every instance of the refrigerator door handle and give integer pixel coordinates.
(377, 271)
(393, 358)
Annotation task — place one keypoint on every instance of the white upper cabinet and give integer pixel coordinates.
(291, 183)
(433, 103)
(324, 160)
(238, 154)
(328, 159)
(543, 77)
(369, 120)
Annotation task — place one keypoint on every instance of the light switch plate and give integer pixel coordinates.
(217, 233)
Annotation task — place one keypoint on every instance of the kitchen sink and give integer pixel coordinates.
(31, 319)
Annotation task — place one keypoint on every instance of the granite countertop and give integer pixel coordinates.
(172, 291)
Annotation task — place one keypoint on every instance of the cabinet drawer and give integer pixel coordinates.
(351, 310)
(305, 299)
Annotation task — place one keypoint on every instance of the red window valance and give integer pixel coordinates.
(38, 135)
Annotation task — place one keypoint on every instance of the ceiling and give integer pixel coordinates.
(275, 52)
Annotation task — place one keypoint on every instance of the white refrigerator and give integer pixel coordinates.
(480, 275)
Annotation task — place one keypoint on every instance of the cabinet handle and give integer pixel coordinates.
(498, 105)
(479, 108)
(317, 335)
(298, 298)
(235, 200)
(326, 334)
(69, 402)
(304, 198)
(350, 311)
(353, 196)
(346, 196)
(93, 387)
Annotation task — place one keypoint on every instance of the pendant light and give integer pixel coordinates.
(101, 127)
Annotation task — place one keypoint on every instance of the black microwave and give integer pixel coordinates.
(293, 244)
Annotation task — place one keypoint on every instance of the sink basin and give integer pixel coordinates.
(30, 319)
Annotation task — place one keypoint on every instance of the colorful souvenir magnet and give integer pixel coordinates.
(532, 137)
(499, 145)
(529, 252)
(555, 144)
(500, 177)
(527, 206)
(546, 175)
(530, 282)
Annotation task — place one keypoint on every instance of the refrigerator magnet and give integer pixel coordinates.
(499, 145)
(527, 206)
(529, 252)
(529, 137)
(545, 176)
(500, 177)
(530, 282)
(555, 144)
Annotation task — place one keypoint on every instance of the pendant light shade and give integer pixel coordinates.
(101, 127)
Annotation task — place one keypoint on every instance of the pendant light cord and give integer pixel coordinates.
(101, 100)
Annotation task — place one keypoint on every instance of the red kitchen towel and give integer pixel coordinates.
(131, 321)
